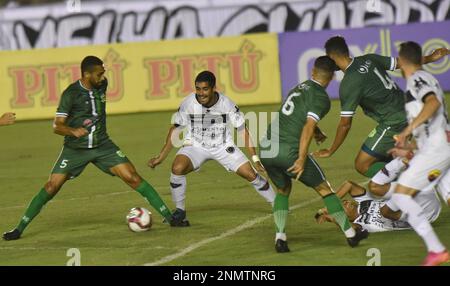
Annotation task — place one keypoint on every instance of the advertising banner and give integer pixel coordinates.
(298, 50)
(143, 76)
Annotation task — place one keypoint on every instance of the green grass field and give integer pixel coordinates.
(231, 224)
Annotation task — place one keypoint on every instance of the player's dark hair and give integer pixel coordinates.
(412, 52)
(337, 45)
(88, 63)
(325, 64)
(206, 76)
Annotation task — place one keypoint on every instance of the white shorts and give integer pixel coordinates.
(443, 187)
(428, 201)
(229, 156)
(424, 170)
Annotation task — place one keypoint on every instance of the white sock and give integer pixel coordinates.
(349, 232)
(280, 235)
(263, 188)
(418, 221)
(389, 172)
(178, 190)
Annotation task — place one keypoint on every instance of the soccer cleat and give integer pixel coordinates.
(12, 235)
(359, 235)
(178, 218)
(281, 246)
(436, 258)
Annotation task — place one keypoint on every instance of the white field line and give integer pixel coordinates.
(233, 231)
(228, 233)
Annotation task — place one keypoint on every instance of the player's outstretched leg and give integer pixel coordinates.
(280, 214)
(437, 252)
(335, 209)
(37, 203)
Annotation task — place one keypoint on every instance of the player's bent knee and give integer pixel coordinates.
(179, 169)
(52, 188)
(132, 179)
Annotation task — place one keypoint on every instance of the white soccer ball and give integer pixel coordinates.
(139, 219)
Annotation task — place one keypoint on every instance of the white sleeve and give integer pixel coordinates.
(423, 86)
(236, 116)
(371, 227)
(181, 117)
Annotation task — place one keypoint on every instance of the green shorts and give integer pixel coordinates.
(73, 161)
(380, 140)
(277, 167)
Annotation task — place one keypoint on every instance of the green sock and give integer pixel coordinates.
(34, 208)
(336, 210)
(149, 193)
(280, 211)
(374, 168)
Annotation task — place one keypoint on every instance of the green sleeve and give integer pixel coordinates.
(387, 63)
(65, 104)
(319, 107)
(350, 92)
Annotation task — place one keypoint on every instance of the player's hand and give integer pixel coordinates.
(401, 139)
(322, 153)
(319, 137)
(298, 168)
(79, 132)
(155, 161)
(401, 152)
(8, 118)
(438, 54)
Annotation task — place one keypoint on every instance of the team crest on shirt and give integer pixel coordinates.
(433, 175)
(120, 153)
(230, 149)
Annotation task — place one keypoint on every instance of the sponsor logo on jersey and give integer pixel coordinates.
(433, 175)
(230, 149)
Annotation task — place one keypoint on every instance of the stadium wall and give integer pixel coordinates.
(82, 23)
(150, 76)
(298, 50)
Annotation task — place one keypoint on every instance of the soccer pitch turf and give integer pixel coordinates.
(231, 224)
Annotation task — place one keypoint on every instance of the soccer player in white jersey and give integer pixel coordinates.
(207, 115)
(428, 124)
(370, 213)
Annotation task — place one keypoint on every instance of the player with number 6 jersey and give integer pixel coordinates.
(304, 107)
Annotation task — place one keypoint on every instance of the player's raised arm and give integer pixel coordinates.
(431, 58)
(60, 128)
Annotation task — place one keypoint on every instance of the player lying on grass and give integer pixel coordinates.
(375, 215)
